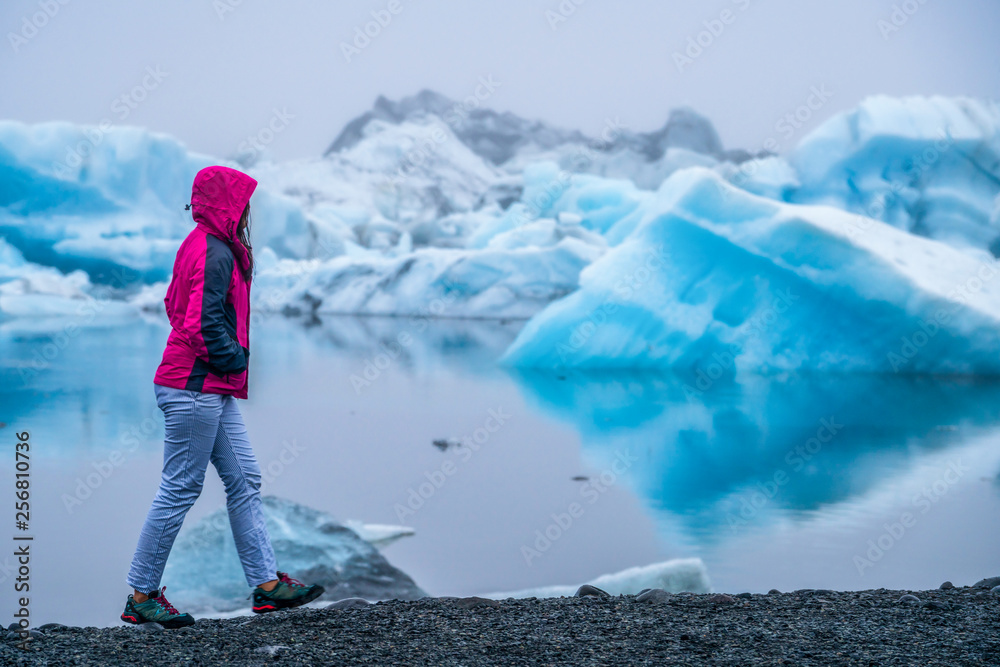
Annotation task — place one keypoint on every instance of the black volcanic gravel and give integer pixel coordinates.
(957, 626)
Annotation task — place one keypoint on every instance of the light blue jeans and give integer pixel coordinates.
(199, 428)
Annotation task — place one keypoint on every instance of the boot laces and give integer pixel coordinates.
(285, 579)
(162, 601)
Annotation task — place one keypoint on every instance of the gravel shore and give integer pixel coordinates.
(953, 626)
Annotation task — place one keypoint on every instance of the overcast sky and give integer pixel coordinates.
(225, 66)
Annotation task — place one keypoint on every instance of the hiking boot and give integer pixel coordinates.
(155, 610)
(288, 593)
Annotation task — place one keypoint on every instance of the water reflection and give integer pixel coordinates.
(702, 457)
(794, 443)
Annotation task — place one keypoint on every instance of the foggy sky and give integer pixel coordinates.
(225, 67)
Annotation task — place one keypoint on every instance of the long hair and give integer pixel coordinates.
(243, 234)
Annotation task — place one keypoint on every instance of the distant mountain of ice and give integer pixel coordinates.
(499, 137)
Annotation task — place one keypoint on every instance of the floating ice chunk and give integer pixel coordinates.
(377, 534)
(204, 572)
(674, 576)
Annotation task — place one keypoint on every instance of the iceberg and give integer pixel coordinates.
(379, 535)
(204, 572)
(380, 227)
(32, 290)
(929, 165)
(681, 575)
(110, 201)
(714, 281)
(422, 200)
(437, 282)
(395, 180)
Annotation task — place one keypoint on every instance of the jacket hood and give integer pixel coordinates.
(218, 197)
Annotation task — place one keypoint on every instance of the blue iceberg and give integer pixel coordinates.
(110, 201)
(714, 280)
(928, 165)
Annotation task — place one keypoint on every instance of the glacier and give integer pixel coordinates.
(423, 208)
(203, 571)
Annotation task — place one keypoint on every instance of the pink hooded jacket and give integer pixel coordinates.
(208, 301)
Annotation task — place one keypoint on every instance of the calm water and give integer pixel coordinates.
(791, 482)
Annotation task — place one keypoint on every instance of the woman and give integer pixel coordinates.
(203, 372)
